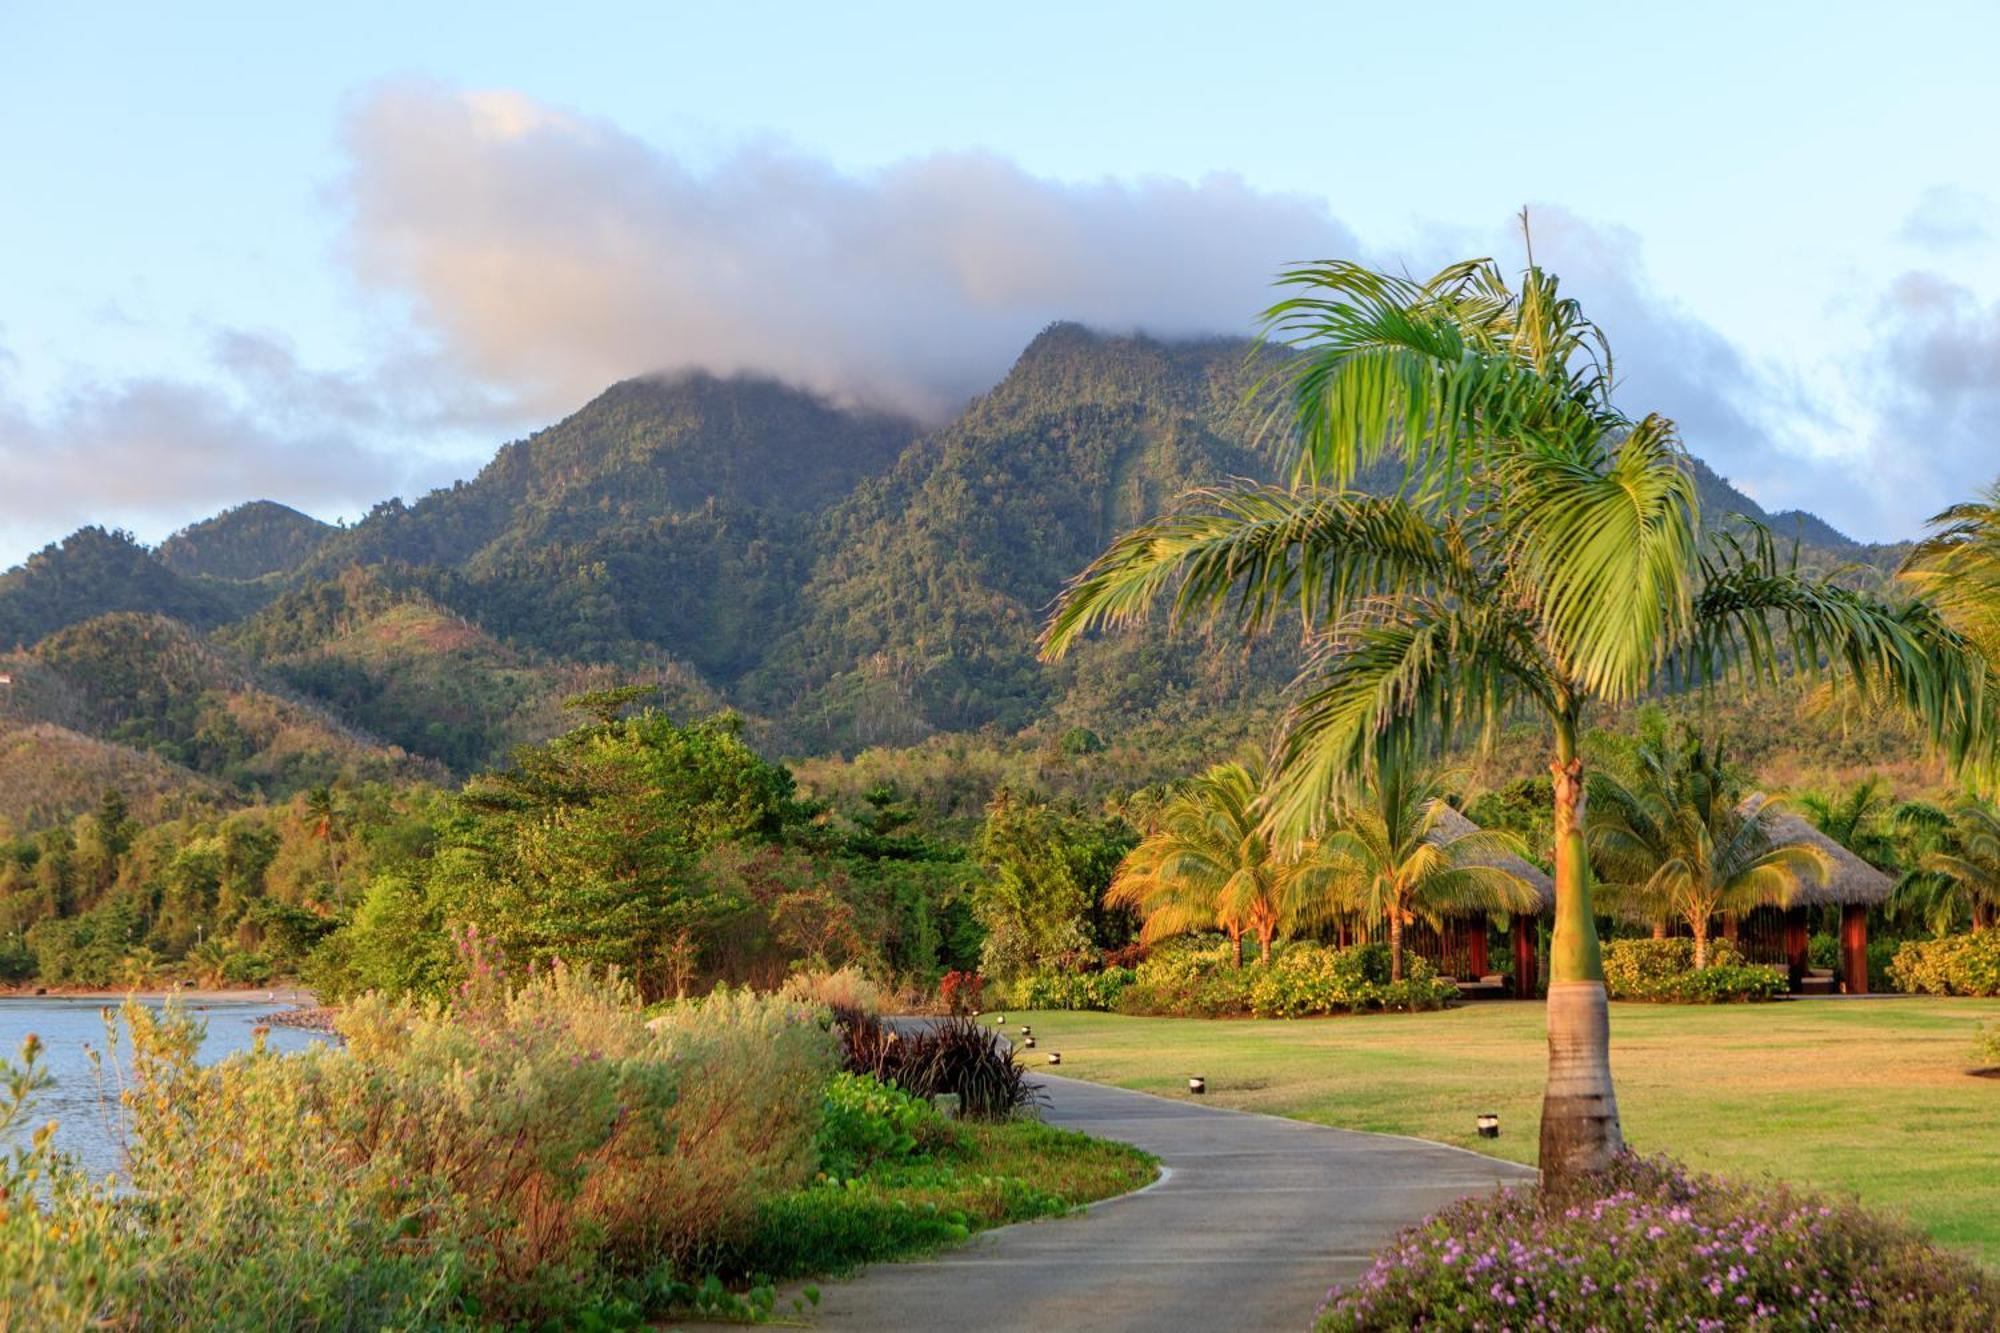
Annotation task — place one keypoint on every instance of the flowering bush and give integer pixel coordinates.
(1192, 980)
(1664, 970)
(1049, 989)
(1988, 1049)
(1966, 964)
(1311, 979)
(1644, 1245)
(962, 992)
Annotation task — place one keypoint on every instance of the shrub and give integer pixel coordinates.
(1966, 964)
(1192, 980)
(1050, 989)
(962, 992)
(848, 989)
(1644, 1245)
(1664, 970)
(1988, 1048)
(866, 1123)
(530, 1152)
(1312, 979)
(952, 1057)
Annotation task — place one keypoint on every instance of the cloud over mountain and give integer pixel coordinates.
(555, 253)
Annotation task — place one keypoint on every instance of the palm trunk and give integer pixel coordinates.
(1700, 942)
(1659, 930)
(1264, 947)
(1395, 944)
(1236, 938)
(1579, 1109)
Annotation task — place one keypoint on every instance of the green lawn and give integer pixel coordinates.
(1867, 1096)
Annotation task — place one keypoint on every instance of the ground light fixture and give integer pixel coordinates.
(1489, 1126)
(1197, 1084)
(1055, 1057)
(1028, 1042)
(1000, 1021)
(1027, 1030)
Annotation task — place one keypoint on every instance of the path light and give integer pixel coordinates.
(1027, 1030)
(1197, 1085)
(1055, 1057)
(1489, 1126)
(1028, 1042)
(1000, 1021)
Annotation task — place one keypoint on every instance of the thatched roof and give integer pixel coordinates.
(1451, 824)
(1849, 879)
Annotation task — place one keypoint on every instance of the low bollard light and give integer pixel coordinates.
(1028, 1042)
(1055, 1057)
(1489, 1126)
(1197, 1086)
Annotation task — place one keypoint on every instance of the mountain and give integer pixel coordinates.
(245, 543)
(94, 571)
(845, 577)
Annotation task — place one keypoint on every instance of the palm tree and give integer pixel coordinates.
(1392, 855)
(1207, 863)
(1970, 867)
(1542, 554)
(1680, 840)
(323, 813)
(1860, 820)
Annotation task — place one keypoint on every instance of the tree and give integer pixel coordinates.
(1861, 820)
(1970, 866)
(323, 813)
(1043, 871)
(1681, 840)
(1208, 864)
(1541, 553)
(1393, 856)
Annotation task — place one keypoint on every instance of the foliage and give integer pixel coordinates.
(1199, 979)
(962, 992)
(866, 1123)
(1684, 840)
(1049, 988)
(1645, 1245)
(1665, 970)
(946, 1057)
(1046, 870)
(1966, 964)
(1310, 979)
(846, 990)
(244, 543)
(1988, 1047)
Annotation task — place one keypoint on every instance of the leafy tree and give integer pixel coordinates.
(1394, 855)
(1543, 554)
(1681, 840)
(1044, 869)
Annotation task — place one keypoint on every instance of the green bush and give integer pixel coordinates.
(1966, 964)
(1664, 970)
(866, 1123)
(1645, 1246)
(1988, 1049)
(1189, 981)
(1312, 979)
(1050, 989)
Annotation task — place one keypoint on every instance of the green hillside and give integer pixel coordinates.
(245, 543)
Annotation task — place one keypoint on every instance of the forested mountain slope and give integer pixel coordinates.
(842, 576)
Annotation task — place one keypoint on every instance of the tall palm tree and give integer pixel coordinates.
(1207, 863)
(1970, 867)
(323, 813)
(1390, 856)
(1680, 840)
(1860, 819)
(1542, 553)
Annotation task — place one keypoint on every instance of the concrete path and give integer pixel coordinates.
(1253, 1219)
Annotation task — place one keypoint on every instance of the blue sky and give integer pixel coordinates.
(328, 254)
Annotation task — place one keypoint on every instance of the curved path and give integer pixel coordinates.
(1252, 1220)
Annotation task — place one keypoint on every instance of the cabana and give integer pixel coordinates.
(1461, 948)
(1782, 934)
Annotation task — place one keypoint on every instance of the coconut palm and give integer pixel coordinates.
(1543, 553)
(1969, 868)
(1680, 840)
(1393, 855)
(1207, 863)
(1861, 819)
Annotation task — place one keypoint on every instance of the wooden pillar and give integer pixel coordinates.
(1732, 927)
(1475, 947)
(1854, 948)
(1524, 956)
(1798, 956)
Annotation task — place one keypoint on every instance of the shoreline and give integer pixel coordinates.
(289, 997)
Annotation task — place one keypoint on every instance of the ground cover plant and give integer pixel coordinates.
(1644, 1244)
(1864, 1098)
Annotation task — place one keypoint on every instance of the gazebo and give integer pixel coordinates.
(1452, 824)
(1782, 934)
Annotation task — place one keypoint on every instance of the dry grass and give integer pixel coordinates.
(1863, 1097)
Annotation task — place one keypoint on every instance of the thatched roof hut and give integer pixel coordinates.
(1849, 881)
(1451, 824)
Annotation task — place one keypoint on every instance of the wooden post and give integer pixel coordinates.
(1524, 956)
(1854, 948)
(1798, 955)
(1475, 946)
(1732, 927)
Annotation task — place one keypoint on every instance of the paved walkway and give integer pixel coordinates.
(1253, 1219)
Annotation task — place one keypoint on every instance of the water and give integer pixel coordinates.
(83, 1105)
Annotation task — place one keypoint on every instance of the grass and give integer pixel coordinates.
(990, 1174)
(1868, 1098)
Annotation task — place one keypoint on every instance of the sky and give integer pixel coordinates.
(330, 254)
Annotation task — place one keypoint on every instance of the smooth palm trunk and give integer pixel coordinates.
(1579, 1109)
(1395, 944)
